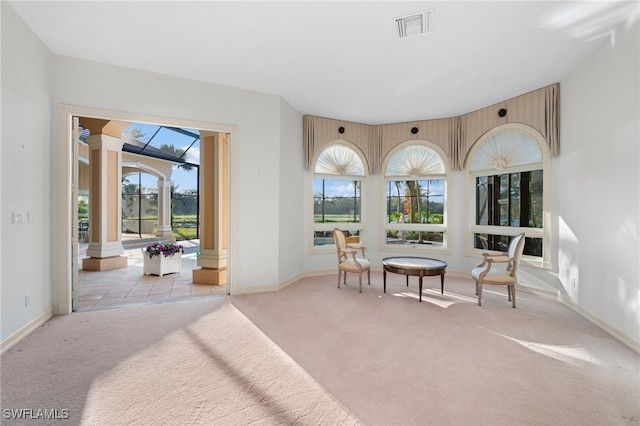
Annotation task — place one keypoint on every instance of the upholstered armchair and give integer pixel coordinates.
(348, 260)
(500, 269)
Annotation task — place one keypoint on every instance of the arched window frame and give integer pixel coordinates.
(509, 231)
(387, 227)
(322, 240)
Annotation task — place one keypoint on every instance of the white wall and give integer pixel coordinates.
(598, 181)
(257, 146)
(35, 82)
(26, 173)
(292, 224)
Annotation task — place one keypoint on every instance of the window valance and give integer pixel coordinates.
(321, 132)
(456, 135)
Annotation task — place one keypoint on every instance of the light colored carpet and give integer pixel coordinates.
(214, 368)
(446, 361)
(323, 355)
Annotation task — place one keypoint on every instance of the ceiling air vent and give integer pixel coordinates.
(415, 24)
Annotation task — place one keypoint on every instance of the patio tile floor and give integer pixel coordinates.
(129, 286)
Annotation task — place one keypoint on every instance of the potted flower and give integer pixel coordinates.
(163, 258)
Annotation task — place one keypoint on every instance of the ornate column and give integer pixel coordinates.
(213, 209)
(105, 227)
(164, 210)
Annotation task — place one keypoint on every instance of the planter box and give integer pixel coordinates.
(160, 265)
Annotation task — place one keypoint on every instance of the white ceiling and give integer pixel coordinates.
(340, 59)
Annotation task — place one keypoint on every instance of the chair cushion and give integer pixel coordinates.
(497, 275)
(350, 266)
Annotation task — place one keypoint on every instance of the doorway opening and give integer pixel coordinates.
(158, 200)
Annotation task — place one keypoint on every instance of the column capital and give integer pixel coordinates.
(104, 141)
(164, 183)
(99, 126)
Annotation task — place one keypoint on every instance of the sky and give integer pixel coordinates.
(334, 187)
(344, 188)
(182, 179)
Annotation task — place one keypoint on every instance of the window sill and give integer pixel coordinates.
(415, 249)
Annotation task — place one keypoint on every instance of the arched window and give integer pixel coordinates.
(337, 194)
(508, 177)
(415, 197)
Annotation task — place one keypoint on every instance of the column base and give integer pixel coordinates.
(209, 276)
(104, 263)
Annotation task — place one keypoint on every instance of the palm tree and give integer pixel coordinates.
(415, 209)
(398, 185)
(178, 152)
(413, 187)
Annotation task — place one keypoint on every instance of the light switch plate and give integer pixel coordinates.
(16, 218)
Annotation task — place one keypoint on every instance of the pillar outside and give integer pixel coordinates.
(164, 210)
(212, 259)
(105, 242)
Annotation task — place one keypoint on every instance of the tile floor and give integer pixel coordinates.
(129, 286)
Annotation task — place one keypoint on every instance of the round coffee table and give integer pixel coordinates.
(416, 266)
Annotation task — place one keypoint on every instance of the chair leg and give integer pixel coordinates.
(360, 281)
(479, 291)
(476, 287)
(345, 278)
(513, 296)
(339, 277)
(509, 292)
(369, 276)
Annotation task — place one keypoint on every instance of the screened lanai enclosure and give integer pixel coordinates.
(159, 183)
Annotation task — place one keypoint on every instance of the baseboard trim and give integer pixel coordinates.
(290, 281)
(617, 334)
(557, 296)
(24, 331)
(286, 283)
(547, 294)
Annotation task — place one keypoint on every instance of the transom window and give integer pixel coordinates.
(507, 171)
(337, 194)
(415, 180)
